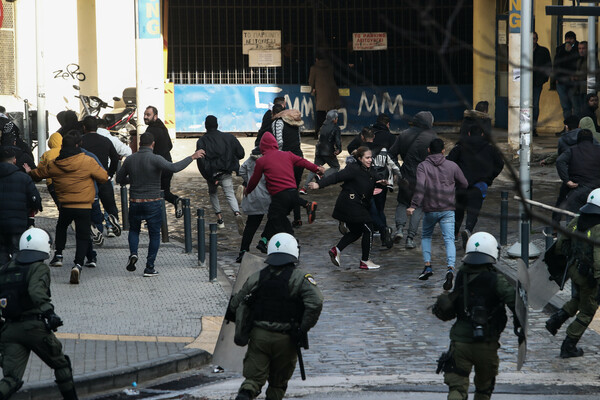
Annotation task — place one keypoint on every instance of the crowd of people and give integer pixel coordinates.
(434, 186)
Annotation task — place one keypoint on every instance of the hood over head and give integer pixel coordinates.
(423, 119)
(55, 141)
(587, 123)
(268, 143)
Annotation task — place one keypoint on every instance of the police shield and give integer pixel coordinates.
(541, 287)
(521, 308)
(227, 354)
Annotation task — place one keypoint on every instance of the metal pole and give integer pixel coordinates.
(187, 225)
(548, 236)
(525, 237)
(201, 238)
(591, 61)
(27, 124)
(41, 83)
(503, 218)
(525, 117)
(164, 228)
(212, 271)
(124, 208)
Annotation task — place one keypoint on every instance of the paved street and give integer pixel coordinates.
(376, 328)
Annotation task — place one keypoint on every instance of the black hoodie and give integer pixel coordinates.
(478, 159)
(18, 195)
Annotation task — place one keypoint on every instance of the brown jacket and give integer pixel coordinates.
(73, 179)
(322, 82)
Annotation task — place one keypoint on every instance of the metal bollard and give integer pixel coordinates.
(124, 208)
(503, 218)
(548, 236)
(525, 239)
(164, 228)
(187, 225)
(212, 268)
(201, 238)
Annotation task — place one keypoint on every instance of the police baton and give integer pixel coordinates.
(301, 363)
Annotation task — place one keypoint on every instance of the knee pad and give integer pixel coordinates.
(13, 384)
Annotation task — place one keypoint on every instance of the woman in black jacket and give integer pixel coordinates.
(353, 204)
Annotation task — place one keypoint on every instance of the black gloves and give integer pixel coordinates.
(518, 329)
(51, 320)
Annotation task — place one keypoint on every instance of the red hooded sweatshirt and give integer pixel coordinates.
(277, 166)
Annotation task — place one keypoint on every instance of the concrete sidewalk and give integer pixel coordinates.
(120, 327)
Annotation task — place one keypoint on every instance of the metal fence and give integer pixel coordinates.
(429, 42)
(7, 53)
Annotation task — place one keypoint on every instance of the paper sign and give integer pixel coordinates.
(264, 58)
(369, 41)
(260, 40)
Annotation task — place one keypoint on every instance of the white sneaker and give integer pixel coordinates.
(398, 236)
(239, 220)
(368, 265)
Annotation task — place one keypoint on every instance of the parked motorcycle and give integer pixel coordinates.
(119, 121)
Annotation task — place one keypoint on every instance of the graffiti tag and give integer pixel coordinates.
(70, 71)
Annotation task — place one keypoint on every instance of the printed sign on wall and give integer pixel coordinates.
(260, 40)
(368, 41)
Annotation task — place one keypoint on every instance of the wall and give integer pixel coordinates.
(101, 60)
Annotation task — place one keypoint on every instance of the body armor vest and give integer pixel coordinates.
(273, 302)
(14, 294)
(484, 308)
(582, 251)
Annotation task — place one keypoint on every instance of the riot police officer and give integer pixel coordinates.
(284, 303)
(477, 303)
(29, 318)
(583, 263)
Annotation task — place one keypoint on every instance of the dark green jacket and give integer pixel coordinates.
(301, 284)
(565, 244)
(462, 330)
(38, 280)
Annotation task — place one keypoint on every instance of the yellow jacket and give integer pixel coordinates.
(55, 143)
(73, 179)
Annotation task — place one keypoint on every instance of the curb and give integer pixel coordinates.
(96, 382)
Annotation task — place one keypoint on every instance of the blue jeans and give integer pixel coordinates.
(446, 221)
(152, 213)
(568, 102)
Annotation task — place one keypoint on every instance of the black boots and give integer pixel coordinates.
(70, 395)
(556, 320)
(569, 348)
(244, 395)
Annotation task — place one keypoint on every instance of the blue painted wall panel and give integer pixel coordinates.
(240, 108)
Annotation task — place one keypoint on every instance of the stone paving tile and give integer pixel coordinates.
(373, 322)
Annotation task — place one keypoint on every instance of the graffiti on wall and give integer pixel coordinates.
(71, 71)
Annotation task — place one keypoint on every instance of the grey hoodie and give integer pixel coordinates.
(437, 178)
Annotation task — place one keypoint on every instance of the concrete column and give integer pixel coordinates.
(87, 46)
(149, 60)
(484, 46)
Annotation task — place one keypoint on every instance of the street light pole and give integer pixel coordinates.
(524, 248)
(41, 82)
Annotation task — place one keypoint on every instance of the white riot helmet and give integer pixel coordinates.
(482, 248)
(34, 245)
(283, 249)
(593, 203)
